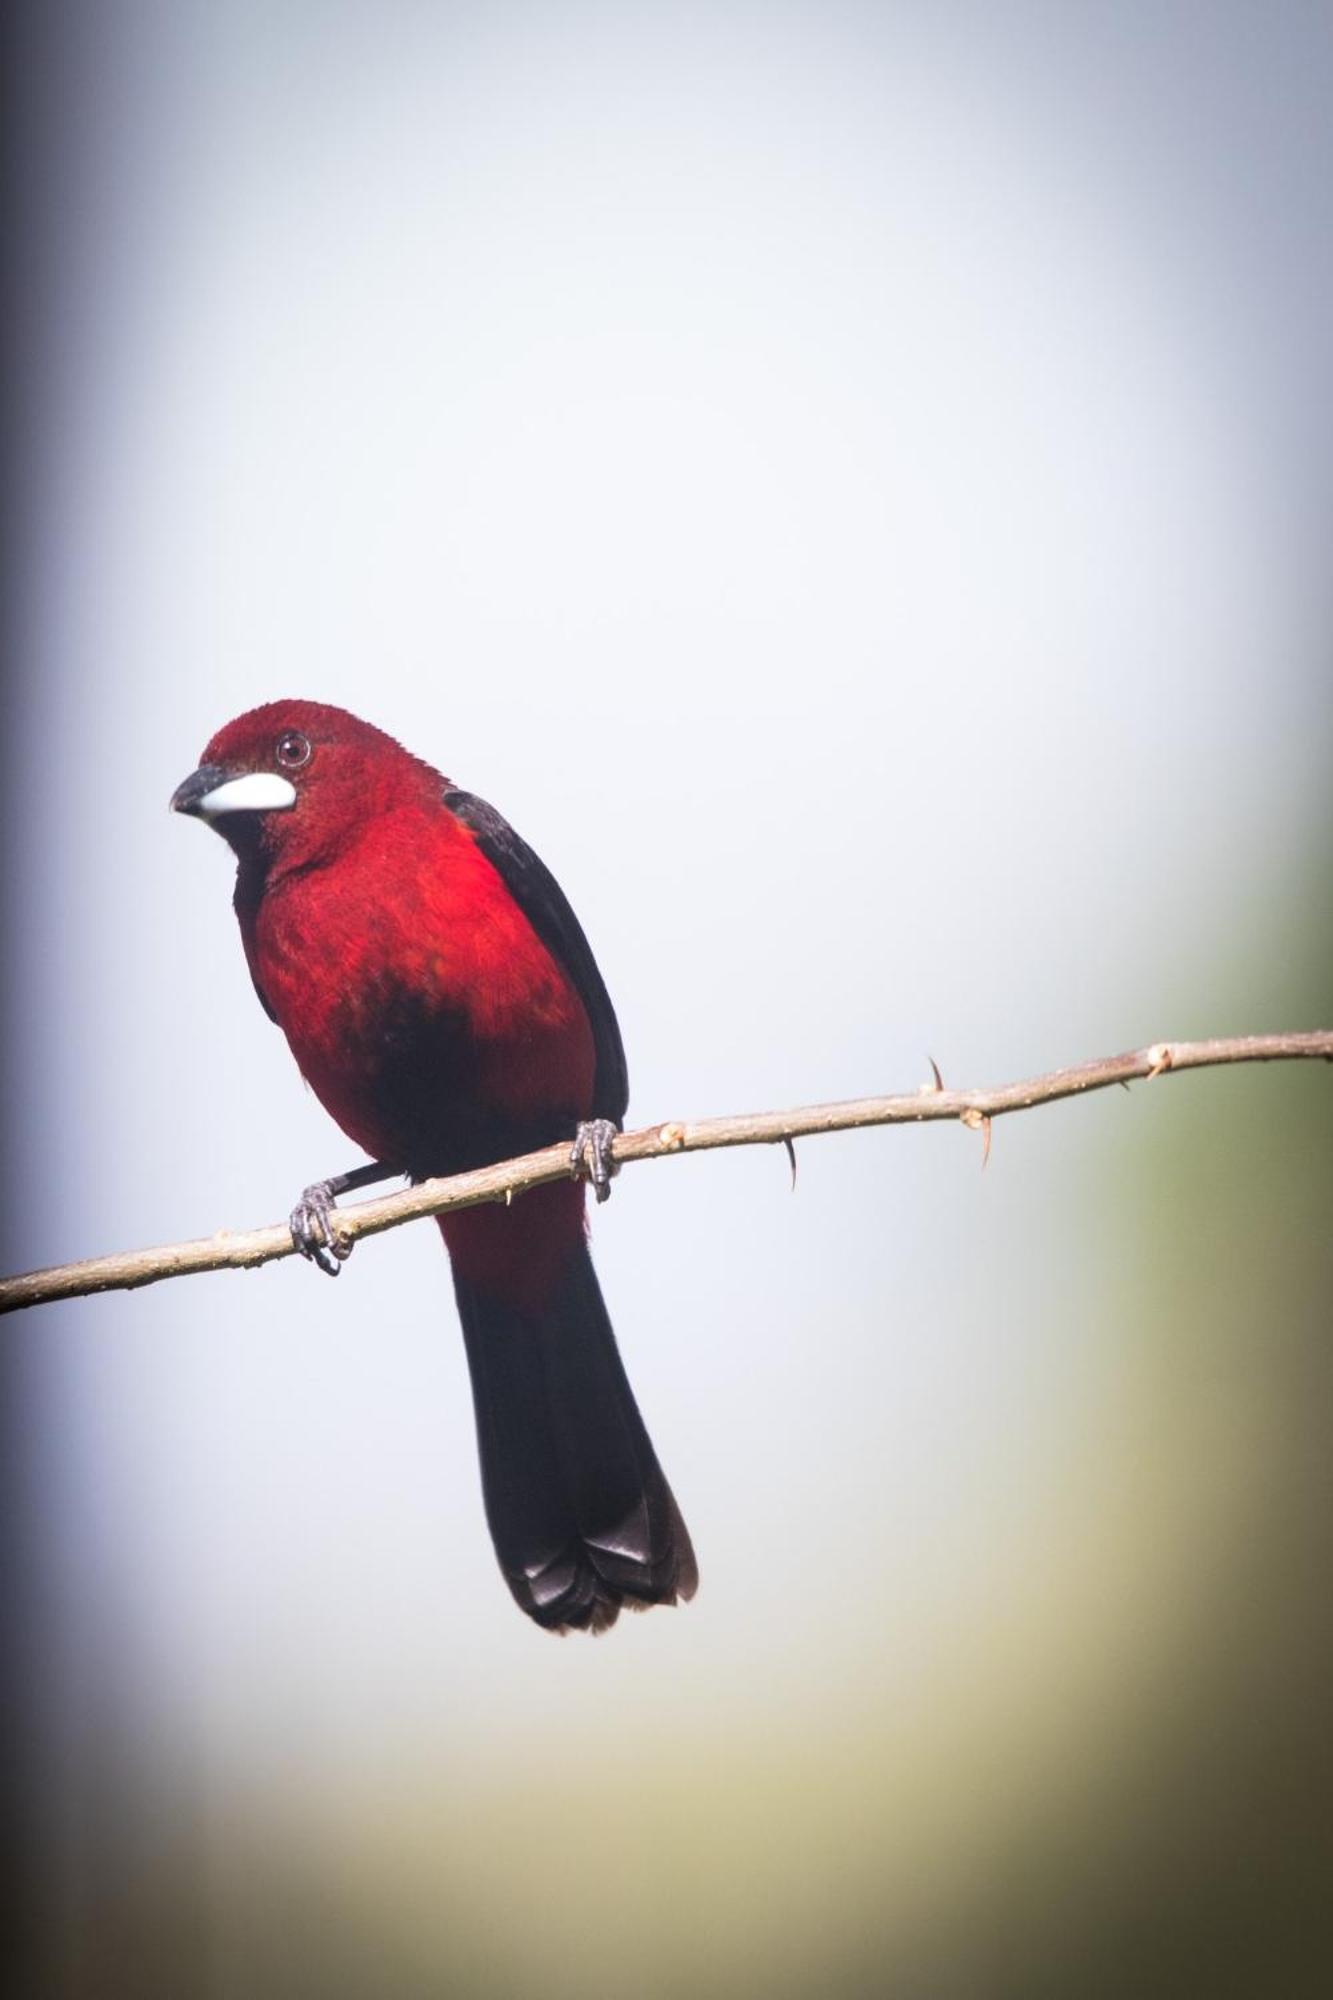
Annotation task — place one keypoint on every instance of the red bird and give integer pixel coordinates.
(441, 1000)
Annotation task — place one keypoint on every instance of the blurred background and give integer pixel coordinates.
(852, 484)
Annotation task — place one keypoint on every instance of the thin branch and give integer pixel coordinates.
(975, 1108)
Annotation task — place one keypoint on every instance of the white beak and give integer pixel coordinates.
(257, 791)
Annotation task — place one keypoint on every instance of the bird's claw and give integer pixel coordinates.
(590, 1155)
(311, 1224)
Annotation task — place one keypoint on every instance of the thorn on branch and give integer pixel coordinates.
(1159, 1059)
(791, 1155)
(978, 1121)
(938, 1084)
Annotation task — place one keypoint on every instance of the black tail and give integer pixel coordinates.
(581, 1515)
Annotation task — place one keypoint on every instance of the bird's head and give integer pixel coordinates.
(289, 779)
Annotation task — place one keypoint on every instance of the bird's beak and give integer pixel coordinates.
(208, 793)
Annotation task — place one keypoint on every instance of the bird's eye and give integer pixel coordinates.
(292, 749)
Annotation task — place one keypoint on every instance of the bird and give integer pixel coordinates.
(442, 1001)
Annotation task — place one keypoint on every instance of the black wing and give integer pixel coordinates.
(544, 904)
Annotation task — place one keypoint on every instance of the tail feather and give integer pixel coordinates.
(580, 1512)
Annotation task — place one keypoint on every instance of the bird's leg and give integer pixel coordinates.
(590, 1156)
(311, 1221)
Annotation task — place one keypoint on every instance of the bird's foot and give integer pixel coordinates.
(311, 1224)
(311, 1221)
(590, 1156)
